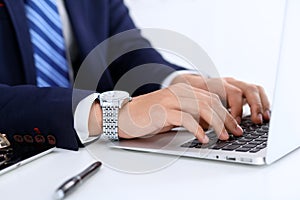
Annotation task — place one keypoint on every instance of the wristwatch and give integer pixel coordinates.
(111, 102)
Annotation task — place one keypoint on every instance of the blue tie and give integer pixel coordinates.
(48, 43)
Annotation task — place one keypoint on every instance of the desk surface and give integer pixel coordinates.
(186, 178)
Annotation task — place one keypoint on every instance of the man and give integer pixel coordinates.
(27, 108)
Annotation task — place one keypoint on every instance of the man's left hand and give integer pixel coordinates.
(234, 94)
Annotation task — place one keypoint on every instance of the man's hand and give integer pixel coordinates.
(177, 105)
(234, 94)
(196, 104)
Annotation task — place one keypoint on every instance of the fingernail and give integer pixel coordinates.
(268, 114)
(238, 120)
(225, 135)
(260, 118)
(205, 139)
(239, 130)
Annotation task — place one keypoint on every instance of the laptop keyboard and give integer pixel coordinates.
(253, 140)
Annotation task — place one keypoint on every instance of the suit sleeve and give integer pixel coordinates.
(154, 66)
(26, 109)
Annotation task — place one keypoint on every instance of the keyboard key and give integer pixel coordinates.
(212, 135)
(257, 134)
(243, 149)
(219, 146)
(261, 131)
(251, 128)
(239, 143)
(256, 142)
(261, 146)
(254, 150)
(198, 146)
(244, 140)
(190, 144)
(209, 145)
(231, 147)
(261, 139)
(251, 137)
(250, 145)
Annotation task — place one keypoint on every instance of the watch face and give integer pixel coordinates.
(114, 95)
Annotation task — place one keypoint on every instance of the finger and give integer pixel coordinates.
(232, 125)
(226, 119)
(178, 118)
(236, 99)
(192, 100)
(207, 108)
(254, 101)
(253, 98)
(235, 102)
(213, 119)
(265, 103)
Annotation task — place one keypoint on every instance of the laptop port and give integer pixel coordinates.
(247, 160)
(230, 158)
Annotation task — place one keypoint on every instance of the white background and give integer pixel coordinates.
(241, 36)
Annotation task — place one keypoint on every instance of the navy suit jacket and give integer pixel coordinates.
(28, 110)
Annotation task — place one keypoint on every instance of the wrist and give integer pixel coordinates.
(111, 102)
(95, 119)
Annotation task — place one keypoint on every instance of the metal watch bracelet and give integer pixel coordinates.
(110, 122)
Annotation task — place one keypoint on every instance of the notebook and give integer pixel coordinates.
(21, 152)
(260, 144)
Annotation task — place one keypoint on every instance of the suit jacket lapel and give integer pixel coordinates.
(19, 20)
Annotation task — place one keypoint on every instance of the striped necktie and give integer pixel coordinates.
(48, 43)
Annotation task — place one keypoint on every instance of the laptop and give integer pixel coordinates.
(260, 144)
(14, 154)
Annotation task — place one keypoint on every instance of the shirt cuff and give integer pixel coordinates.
(168, 80)
(81, 118)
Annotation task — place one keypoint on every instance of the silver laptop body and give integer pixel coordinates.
(284, 133)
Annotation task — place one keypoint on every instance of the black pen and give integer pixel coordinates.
(73, 182)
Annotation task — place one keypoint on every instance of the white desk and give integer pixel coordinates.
(185, 179)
